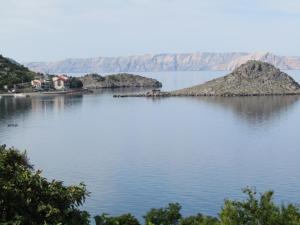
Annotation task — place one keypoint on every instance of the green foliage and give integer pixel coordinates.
(164, 216)
(12, 73)
(169, 215)
(199, 220)
(126, 219)
(75, 83)
(28, 198)
(254, 210)
(258, 211)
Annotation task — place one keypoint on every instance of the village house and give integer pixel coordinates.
(36, 84)
(41, 84)
(60, 82)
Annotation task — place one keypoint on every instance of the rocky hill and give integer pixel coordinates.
(163, 62)
(12, 73)
(251, 78)
(95, 81)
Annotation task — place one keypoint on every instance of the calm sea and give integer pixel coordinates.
(138, 153)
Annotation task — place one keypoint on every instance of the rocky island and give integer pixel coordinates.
(121, 80)
(254, 78)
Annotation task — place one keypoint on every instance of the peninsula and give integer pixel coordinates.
(254, 78)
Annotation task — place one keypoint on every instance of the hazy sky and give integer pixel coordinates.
(38, 30)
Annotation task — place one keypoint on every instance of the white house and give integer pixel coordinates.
(37, 84)
(60, 82)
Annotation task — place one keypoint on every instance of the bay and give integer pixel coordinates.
(139, 153)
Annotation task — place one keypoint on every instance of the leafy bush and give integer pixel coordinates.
(199, 220)
(258, 210)
(164, 216)
(75, 83)
(28, 198)
(255, 210)
(126, 219)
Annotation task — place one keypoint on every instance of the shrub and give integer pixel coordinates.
(254, 210)
(75, 83)
(126, 219)
(164, 216)
(258, 210)
(28, 198)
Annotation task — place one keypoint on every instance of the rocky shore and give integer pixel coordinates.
(254, 78)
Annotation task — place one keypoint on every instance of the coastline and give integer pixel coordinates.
(46, 93)
(174, 94)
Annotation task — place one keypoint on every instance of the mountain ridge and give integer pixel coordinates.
(164, 62)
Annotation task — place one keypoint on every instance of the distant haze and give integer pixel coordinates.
(50, 30)
(163, 62)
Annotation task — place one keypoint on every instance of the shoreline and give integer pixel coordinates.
(172, 94)
(46, 93)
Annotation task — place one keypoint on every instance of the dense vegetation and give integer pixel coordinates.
(75, 83)
(255, 210)
(12, 73)
(28, 198)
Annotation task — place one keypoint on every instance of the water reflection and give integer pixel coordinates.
(256, 109)
(55, 103)
(11, 108)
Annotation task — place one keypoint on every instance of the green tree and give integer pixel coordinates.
(254, 210)
(199, 220)
(258, 210)
(169, 215)
(28, 198)
(126, 219)
(75, 83)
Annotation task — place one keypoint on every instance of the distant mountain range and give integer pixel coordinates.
(164, 62)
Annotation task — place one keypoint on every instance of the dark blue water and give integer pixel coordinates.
(138, 153)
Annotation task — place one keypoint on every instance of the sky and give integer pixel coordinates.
(50, 30)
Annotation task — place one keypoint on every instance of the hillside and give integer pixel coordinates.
(163, 62)
(12, 73)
